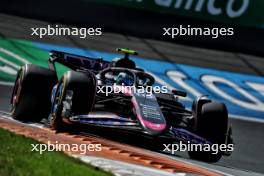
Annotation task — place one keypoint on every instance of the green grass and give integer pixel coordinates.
(17, 159)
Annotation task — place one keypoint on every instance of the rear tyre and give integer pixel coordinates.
(75, 95)
(30, 99)
(212, 124)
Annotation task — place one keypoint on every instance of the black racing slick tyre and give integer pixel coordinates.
(75, 95)
(30, 99)
(212, 124)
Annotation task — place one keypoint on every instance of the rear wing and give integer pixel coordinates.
(76, 62)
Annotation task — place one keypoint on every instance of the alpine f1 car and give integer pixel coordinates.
(87, 95)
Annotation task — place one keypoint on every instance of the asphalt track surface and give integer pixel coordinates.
(248, 136)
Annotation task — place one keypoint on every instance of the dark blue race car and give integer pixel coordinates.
(117, 95)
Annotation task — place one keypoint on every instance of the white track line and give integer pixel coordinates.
(25, 61)
(123, 168)
(9, 63)
(6, 83)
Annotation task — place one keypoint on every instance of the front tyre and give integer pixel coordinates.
(212, 124)
(75, 95)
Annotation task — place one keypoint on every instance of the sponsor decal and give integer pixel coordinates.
(229, 7)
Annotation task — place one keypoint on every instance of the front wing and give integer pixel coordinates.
(111, 120)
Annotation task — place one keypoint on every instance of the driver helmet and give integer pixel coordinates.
(124, 63)
(124, 79)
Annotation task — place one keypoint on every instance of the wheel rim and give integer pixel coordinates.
(16, 91)
(55, 107)
(14, 98)
(57, 99)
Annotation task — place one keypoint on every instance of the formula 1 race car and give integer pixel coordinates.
(117, 95)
